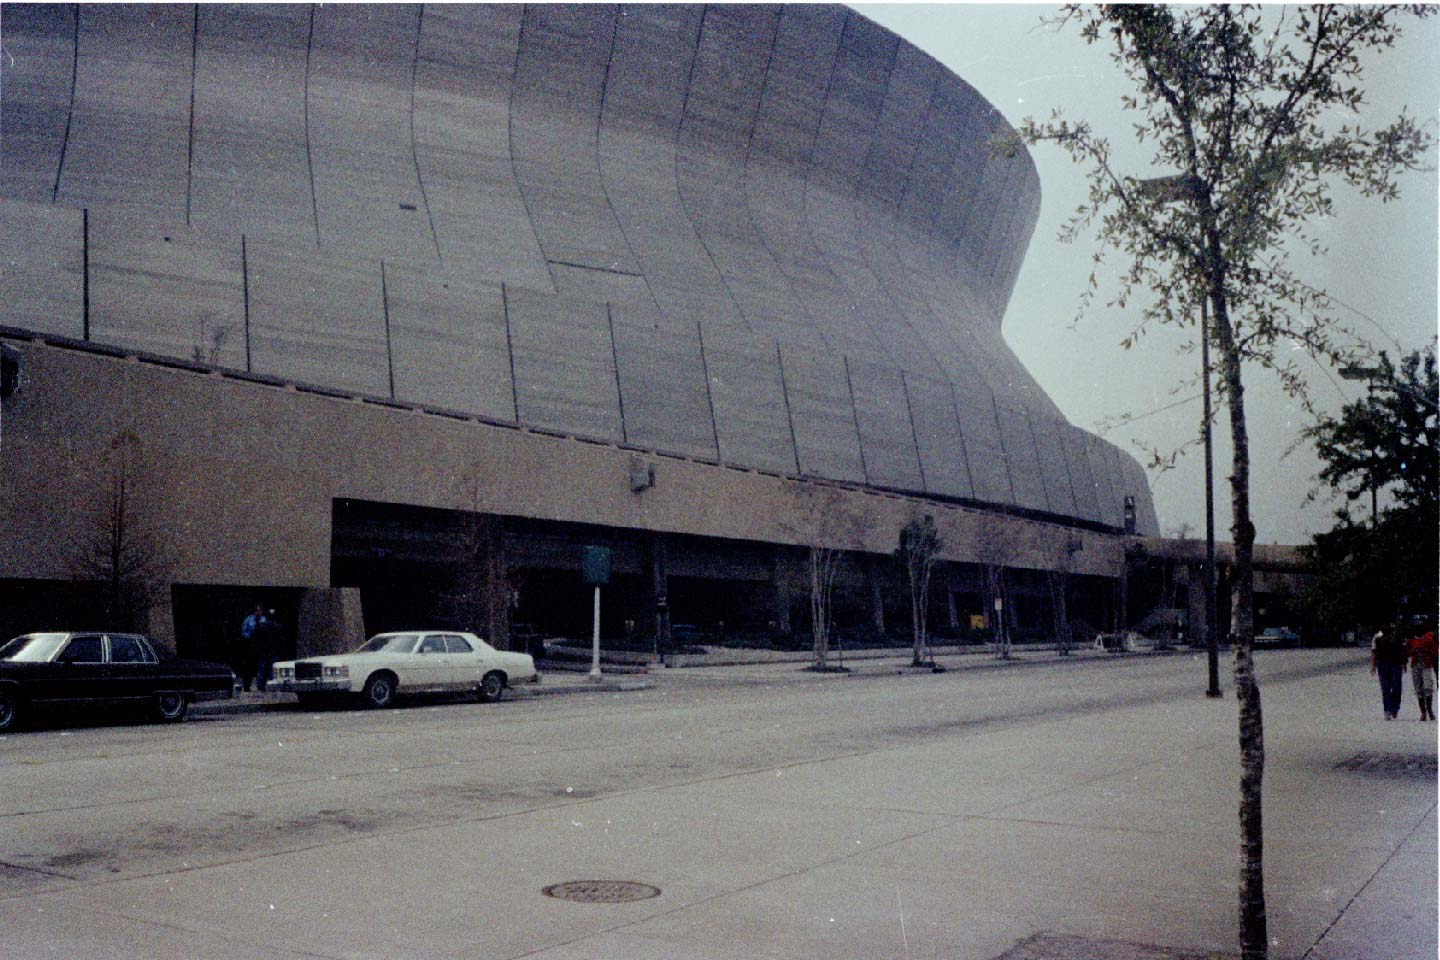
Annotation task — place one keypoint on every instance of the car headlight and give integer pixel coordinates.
(341, 672)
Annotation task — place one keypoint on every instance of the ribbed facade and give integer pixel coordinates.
(775, 237)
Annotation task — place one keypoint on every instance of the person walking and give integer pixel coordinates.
(1387, 658)
(1421, 651)
(245, 656)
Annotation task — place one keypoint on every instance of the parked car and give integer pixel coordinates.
(39, 670)
(414, 661)
(1277, 637)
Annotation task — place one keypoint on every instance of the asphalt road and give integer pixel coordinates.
(780, 814)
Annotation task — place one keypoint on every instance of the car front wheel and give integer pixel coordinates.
(379, 691)
(169, 707)
(492, 687)
(9, 710)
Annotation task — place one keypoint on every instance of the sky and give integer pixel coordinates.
(1381, 263)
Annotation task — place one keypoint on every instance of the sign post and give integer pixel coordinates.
(595, 566)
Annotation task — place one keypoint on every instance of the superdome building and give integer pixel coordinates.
(381, 313)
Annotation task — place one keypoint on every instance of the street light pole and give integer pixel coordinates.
(1212, 631)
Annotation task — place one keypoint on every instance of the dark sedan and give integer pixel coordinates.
(71, 669)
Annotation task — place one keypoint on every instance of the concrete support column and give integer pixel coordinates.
(952, 615)
(1198, 629)
(660, 592)
(160, 620)
(497, 583)
(329, 620)
(781, 582)
(873, 575)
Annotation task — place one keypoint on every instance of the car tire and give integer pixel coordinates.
(9, 710)
(492, 687)
(380, 691)
(169, 707)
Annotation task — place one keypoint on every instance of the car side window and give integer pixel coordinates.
(432, 645)
(127, 650)
(457, 645)
(82, 650)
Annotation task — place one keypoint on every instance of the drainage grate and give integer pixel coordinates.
(1391, 764)
(601, 891)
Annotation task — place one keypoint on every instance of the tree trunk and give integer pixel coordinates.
(1254, 940)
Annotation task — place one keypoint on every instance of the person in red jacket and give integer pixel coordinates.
(1421, 652)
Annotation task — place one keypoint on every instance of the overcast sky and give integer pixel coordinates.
(1381, 262)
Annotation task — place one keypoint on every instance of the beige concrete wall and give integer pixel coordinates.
(237, 479)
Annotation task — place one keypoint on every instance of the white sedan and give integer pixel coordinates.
(416, 661)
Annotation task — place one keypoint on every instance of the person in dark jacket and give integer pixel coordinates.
(1387, 658)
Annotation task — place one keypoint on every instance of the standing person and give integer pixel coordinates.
(245, 656)
(268, 637)
(1387, 658)
(1421, 651)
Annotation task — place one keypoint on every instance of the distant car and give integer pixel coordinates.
(1277, 637)
(413, 661)
(40, 670)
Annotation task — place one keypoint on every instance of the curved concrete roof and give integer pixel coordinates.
(772, 236)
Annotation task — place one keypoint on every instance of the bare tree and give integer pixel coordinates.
(919, 544)
(828, 527)
(1057, 578)
(119, 547)
(994, 545)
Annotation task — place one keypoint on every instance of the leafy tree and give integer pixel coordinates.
(1368, 573)
(1252, 109)
(918, 547)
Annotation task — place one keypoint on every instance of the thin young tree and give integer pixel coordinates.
(823, 522)
(919, 545)
(1255, 114)
(118, 547)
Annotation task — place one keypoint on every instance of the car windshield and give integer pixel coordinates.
(32, 648)
(389, 643)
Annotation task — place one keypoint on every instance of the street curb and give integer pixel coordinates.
(215, 708)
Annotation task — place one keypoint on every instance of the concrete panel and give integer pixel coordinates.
(751, 413)
(42, 261)
(823, 413)
(645, 95)
(1087, 500)
(462, 142)
(166, 291)
(250, 171)
(1138, 486)
(362, 62)
(937, 430)
(554, 112)
(984, 450)
(448, 341)
(1054, 465)
(887, 436)
(731, 64)
(1023, 458)
(35, 102)
(318, 318)
(564, 365)
(1105, 458)
(662, 384)
(807, 45)
(129, 132)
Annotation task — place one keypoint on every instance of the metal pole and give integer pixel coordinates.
(1212, 629)
(595, 640)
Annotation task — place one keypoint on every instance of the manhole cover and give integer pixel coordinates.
(1391, 764)
(601, 891)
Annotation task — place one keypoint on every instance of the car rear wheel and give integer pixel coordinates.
(169, 707)
(380, 691)
(9, 710)
(492, 687)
